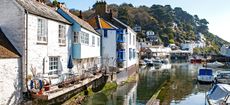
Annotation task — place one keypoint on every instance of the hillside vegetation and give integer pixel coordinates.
(172, 25)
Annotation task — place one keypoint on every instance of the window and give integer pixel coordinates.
(93, 40)
(84, 37)
(42, 30)
(134, 53)
(130, 53)
(76, 37)
(130, 38)
(105, 33)
(62, 35)
(98, 42)
(120, 38)
(53, 65)
(134, 40)
(121, 55)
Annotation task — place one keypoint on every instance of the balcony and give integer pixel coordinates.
(120, 46)
(120, 36)
(120, 58)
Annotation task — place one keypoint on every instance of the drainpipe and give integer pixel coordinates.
(26, 52)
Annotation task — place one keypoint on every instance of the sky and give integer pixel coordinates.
(217, 12)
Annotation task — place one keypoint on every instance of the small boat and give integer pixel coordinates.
(205, 75)
(215, 64)
(219, 95)
(195, 59)
(223, 77)
(157, 62)
(148, 62)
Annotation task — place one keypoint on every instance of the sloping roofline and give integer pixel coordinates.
(40, 9)
(7, 50)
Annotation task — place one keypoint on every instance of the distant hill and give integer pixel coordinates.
(172, 25)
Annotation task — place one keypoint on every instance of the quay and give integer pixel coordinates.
(56, 92)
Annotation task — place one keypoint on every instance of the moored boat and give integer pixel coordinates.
(148, 62)
(196, 60)
(205, 75)
(223, 77)
(219, 95)
(215, 64)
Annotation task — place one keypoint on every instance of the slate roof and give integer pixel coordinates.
(98, 23)
(40, 9)
(7, 50)
(80, 21)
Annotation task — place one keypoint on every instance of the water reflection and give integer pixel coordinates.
(177, 83)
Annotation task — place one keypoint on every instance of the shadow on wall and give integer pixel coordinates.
(16, 96)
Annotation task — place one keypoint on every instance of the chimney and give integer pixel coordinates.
(101, 7)
(80, 14)
(110, 14)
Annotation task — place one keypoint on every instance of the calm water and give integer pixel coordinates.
(179, 82)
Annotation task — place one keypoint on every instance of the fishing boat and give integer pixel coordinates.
(219, 95)
(215, 64)
(223, 77)
(205, 75)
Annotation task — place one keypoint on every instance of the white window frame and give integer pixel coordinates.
(62, 34)
(130, 39)
(53, 65)
(84, 37)
(98, 42)
(133, 40)
(93, 40)
(76, 37)
(42, 30)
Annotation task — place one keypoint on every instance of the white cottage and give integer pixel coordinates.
(10, 73)
(39, 34)
(85, 44)
(118, 41)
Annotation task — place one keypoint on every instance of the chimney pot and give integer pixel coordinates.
(80, 14)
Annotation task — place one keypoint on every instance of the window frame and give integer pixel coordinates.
(98, 41)
(53, 65)
(42, 30)
(62, 34)
(93, 41)
(76, 37)
(130, 39)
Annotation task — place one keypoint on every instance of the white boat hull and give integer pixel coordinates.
(205, 78)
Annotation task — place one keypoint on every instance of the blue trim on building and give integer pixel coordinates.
(76, 51)
(121, 55)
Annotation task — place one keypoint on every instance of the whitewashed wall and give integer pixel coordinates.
(133, 46)
(10, 81)
(109, 46)
(88, 51)
(12, 23)
(38, 53)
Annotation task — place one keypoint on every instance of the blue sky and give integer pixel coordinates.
(217, 12)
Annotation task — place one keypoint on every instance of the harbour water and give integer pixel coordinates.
(176, 81)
